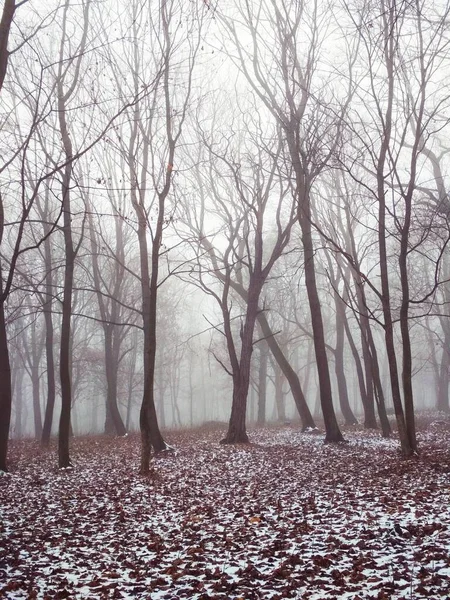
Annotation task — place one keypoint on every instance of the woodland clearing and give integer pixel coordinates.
(284, 517)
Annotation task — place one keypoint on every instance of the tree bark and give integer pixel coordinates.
(292, 377)
(332, 431)
(442, 402)
(341, 317)
(279, 394)
(5, 389)
(111, 335)
(237, 433)
(64, 355)
(389, 51)
(9, 8)
(262, 384)
(49, 343)
(69, 250)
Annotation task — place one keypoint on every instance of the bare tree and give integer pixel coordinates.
(244, 189)
(166, 41)
(403, 105)
(284, 78)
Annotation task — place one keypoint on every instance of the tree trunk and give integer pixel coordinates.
(69, 250)
(35, 383)
(64, 356)
(292, 377)
(49, 343)
(262, 384)
(279, 394)
(17, 394)
(378, 387)
(113, 422)
(131, 373)
(370, 421)
(9, 8)
(341, 317)
(5, 389)
(442, 402)
(358, 365)
(389, 50)
(111, 335)
(150, 433)
(237, 433)
(332, 431)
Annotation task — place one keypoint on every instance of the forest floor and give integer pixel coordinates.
(284, 517)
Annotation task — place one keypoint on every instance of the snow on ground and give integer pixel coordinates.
(286, 517)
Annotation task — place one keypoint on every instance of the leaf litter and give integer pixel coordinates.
(284, 517)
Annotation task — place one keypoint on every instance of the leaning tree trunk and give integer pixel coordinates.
(357, 362)
(347, 412)
(370, 421)
(368, 397)
(279, 395)
(292, 377)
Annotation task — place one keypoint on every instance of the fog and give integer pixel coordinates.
(222, 212)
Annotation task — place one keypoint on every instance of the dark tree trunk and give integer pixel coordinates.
(279, 395)
(113, 422)
(5, 390)
(390, 50)
(35, 383)
(262, 384)
(9, 8)
(292, 377)
(378, 387)
(341, 317)
(64, 356)
(150, 433)
(49, 356)
(370, 421)
(111, 335)
(442, 381)
(332, 431)
(237, 433)
(131, 373)
(358, 365)
(69, 250)
(368, 395)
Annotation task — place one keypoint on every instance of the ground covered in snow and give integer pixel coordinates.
(285, 517)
